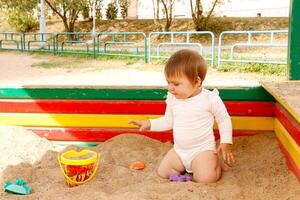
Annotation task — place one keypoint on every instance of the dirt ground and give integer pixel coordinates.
(16, 70)
(260, 171)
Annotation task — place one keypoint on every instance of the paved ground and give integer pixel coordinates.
(16, 70)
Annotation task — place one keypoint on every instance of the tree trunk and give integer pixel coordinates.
(200, 21)
(69, 22)
(156, 19)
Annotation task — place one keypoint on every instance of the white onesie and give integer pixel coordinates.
(192, 121)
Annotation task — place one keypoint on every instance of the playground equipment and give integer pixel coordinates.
(96, 114)
(78, 167)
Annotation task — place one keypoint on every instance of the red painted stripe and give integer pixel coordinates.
(236, 108)
(290, 162)
(102, 134)
(250, 108)
(83, 106)
(289, 123)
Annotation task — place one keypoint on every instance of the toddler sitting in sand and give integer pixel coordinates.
(190, 112)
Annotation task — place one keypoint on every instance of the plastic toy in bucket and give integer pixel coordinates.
(78, 167)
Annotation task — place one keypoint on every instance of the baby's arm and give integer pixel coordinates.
(161, 124)
(225, 128)
(222, 118)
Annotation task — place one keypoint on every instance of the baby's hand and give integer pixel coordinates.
(225, 150)
(143, 125)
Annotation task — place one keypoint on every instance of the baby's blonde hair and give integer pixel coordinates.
(186, 62)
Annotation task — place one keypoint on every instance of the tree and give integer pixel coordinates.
(156, 19)
(20, 13)
(199, 19)
(67, 10)
(98, 8)
(111, 11)
(167, 11)
(124, 4)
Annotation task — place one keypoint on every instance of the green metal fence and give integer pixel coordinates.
(125, 44)
(75, 43)
(163, 44)
(44, 42)
(11, 41)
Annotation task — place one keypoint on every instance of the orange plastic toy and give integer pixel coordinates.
(137, 165)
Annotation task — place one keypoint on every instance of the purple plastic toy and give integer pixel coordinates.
(180, 178)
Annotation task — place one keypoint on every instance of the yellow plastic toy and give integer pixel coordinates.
(78, 167)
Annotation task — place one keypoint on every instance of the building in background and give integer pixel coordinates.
(254, 8)
(143, 9)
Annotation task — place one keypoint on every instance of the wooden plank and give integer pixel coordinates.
(290, 162)
(236, 108)
(113, 93)
(289, 123)
(118, 121)
(83, 106)
(294, 41)
(287, 94)
(287, 141)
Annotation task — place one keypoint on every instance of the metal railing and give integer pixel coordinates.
(185, 42)
(127, 44)
(11, 38)
(39, 42)
(250, 44)
(134, 44)
(75, 43)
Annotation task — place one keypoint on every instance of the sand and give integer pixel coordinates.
(260, 171)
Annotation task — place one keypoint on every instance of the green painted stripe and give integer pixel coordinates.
(246, 94)
(242, 94)
(82, 93)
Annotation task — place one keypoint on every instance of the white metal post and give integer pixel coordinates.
(42, 23)
(94, 19)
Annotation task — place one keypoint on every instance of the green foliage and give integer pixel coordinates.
(20, 14)
(124, 4)
(98, 14)
(261, 68)
(22, 20)
(68, 11)
(85, 12)
(99, 5)
(111, 11)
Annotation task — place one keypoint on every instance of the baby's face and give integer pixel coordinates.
(182, 88)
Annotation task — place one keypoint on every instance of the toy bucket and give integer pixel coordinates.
(78, 167)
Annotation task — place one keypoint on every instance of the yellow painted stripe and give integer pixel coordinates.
(281, 102)
(121, 121)
(287, 141)
(252, 123)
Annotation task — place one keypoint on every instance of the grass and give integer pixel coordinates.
(260, 68)
(81, 61)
